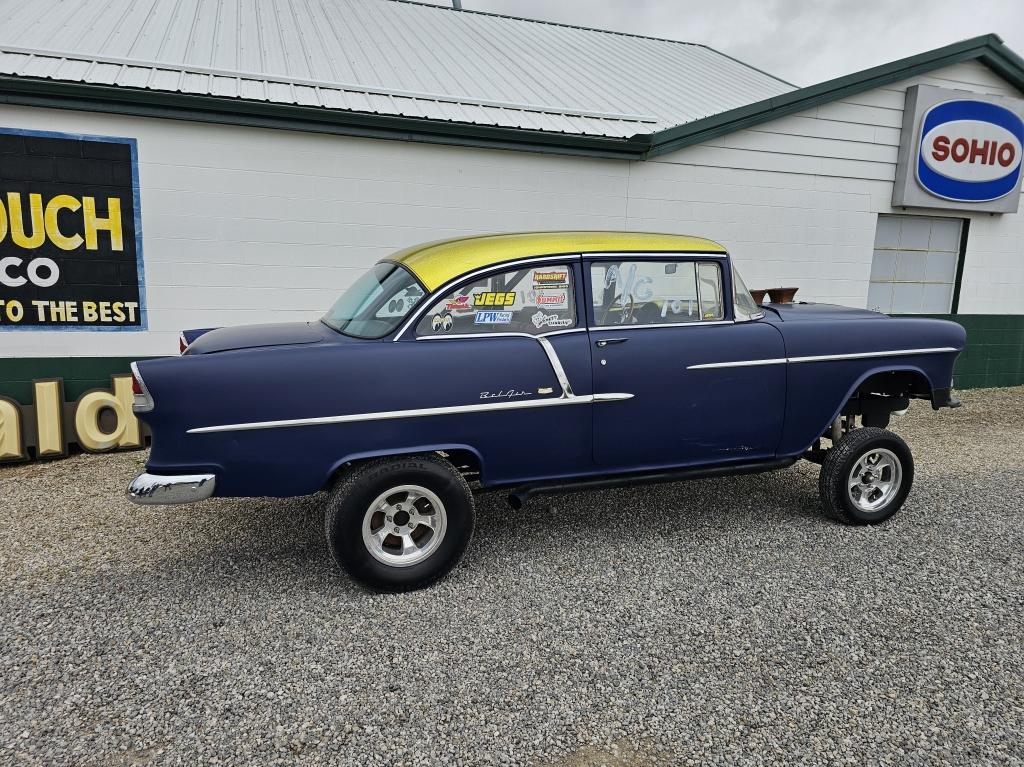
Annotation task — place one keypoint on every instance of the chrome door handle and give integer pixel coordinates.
(607, 341)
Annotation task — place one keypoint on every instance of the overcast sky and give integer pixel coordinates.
(803, 42)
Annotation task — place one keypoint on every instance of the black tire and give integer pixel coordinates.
(350, 501)
(840, 462)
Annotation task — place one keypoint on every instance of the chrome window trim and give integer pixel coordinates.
(585, 399)
(697, 324)
(502, 334)
(674, 254)
(425, 307)
(823, 358)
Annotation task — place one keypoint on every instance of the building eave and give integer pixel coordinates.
(55, 94)
(988, 49)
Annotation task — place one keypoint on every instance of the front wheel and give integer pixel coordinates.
(399, 524)
(866, 477)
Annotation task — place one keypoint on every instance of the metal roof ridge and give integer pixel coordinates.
(350, 87)
(592, 29)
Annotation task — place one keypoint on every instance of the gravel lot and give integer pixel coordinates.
(720, 621)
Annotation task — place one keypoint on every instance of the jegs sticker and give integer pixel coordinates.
(492, 318)
(541, 320)
(494, 299)
(441, 322)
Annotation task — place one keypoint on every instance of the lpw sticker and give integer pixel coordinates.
(492, 318)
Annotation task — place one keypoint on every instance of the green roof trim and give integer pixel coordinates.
(989, 49)
(52, 94)
(41, 92)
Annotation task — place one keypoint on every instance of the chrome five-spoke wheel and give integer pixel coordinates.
(404, 525)
(874, 479)
(866, 477)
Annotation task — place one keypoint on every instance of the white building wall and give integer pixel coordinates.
(796, 199)
(246, 225)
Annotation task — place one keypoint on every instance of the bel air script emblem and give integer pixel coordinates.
(504, 394)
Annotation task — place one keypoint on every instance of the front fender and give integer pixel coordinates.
(877, 370)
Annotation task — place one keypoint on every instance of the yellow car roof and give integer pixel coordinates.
(436, 263)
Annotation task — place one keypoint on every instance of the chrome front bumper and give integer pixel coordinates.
(155, 489)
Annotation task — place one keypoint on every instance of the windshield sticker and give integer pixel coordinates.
(550, 320)
(552, 299)
(553, 279)
(459, 304)
(441, 322)
(492, 318)
(494, 299)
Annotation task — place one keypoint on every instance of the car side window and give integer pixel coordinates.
(709, 284)
(532, 300)
(655, 292)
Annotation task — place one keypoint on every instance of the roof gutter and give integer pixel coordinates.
(55, 94)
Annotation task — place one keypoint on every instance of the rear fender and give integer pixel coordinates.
(340, 465)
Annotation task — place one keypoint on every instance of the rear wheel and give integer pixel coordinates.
(866, 477)
(400, 524)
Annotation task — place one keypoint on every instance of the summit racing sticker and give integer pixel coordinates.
(492, 318)
(552, 299)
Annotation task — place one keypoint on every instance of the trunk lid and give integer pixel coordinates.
(255, 336)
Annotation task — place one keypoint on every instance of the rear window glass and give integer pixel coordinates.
(534, 300)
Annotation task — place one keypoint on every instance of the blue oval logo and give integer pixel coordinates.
(970, 151)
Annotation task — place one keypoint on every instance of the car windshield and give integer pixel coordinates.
(376, 303)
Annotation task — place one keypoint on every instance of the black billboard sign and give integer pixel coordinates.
(70, 233)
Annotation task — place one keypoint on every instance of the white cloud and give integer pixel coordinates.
(803, 42)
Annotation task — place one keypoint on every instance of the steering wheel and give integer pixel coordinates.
(626, 314)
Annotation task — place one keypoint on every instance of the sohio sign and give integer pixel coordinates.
(965, 153)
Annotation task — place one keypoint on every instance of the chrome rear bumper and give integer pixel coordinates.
(155, 489)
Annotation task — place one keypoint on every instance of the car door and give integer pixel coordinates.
(510, 344)
(660, 329)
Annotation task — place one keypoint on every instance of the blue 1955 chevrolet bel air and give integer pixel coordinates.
(535, 363)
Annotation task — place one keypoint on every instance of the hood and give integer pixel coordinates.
(808, 312)
(253, 336)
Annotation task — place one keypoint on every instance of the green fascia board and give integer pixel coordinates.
(184, 106)
(41, 92)
(989, 49)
